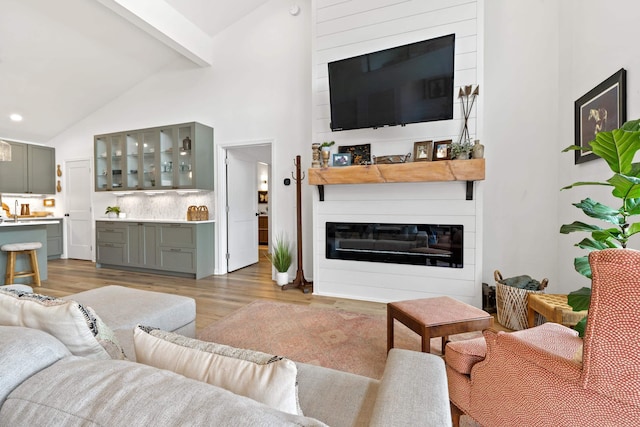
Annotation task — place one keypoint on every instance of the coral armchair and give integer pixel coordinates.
(535, 377)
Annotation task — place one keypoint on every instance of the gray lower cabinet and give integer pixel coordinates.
(172, 248)
(54, 240)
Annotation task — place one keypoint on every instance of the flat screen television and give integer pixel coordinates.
(405, 84)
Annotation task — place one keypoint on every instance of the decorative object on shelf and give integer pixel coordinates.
(442, 150)
(5, 151)
(477, 152)
(325, 158)
(186, 144)
(467, 97)
(59, 187)
(618, 148)
(25, 210)
(59, 171)
(392, 159)
(263, 196)
(423, 151)
(280, 258)
(602, 109)
(461, 150)
(326, 145)
(341, 159)
(203, 213)
(315, 152)
(360, 154)
(49, 203)
(112, 211)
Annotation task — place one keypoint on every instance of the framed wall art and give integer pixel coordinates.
(341, 159)
(360, 154)
(263, 197)
(442, 150)
(423, 151)
(603, 108)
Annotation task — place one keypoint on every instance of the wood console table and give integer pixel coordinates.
(436, 171)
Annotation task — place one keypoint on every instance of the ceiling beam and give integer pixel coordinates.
(167, 25)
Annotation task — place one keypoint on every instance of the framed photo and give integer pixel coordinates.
(263, 197)
(341, 159)
(360, 154)
(442, 150)
(603, 108)
(423, 151)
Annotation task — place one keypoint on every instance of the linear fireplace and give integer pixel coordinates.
(418, 244)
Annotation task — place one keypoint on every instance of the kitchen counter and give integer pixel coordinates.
(21, 232)
(166, 221)
(28, 222)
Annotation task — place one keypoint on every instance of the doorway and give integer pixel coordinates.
(79, 183)
(240, 187)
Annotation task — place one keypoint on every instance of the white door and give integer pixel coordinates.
(78, 208)
(242, 211)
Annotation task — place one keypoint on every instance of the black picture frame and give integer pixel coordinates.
(603, 108)
(263, 197)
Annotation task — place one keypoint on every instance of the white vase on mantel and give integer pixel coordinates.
(282, 278)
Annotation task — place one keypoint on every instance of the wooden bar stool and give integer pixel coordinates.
(13, 249)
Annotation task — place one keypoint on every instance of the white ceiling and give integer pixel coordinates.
(62, 60)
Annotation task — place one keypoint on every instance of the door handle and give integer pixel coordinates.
(257, 214)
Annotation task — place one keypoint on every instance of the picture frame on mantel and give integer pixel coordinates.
(603, 108)
(423, 151)
(442, 150)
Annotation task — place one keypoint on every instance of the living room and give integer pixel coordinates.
(531, 59)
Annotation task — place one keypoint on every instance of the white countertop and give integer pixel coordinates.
(28, 222)
(170, 221)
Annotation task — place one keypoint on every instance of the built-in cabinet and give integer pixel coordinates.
(173, 248)
(55, 240)
(166, 157)
(30, 171)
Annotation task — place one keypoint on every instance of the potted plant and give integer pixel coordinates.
(280, 258)
(326, 145)
(112, 211)
(618, 148)
(461, 150)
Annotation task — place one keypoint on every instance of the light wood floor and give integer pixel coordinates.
(216, 296)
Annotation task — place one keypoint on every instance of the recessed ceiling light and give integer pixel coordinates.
(16, 117)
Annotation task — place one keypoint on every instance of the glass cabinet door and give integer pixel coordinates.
(102, 164)
(133, 162)
(167, 158)
(150, 141)
(116, 143)
(185, 159)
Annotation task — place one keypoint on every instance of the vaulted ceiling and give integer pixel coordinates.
(62, 60)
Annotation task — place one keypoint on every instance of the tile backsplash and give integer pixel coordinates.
(165, 206)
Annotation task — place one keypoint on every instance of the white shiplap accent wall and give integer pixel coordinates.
(346, 28)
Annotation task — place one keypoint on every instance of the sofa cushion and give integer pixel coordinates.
(269, 379)
(462, 355)
(24, 352)
(76, 391)
(78, 327)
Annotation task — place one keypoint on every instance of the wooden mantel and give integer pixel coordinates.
(437, 171)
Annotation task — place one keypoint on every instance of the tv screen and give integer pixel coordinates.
(405, 84)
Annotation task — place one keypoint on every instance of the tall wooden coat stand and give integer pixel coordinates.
(299, 282)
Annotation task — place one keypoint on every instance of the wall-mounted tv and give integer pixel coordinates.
(405, 84)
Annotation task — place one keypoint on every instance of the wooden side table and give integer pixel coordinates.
(436, 317)
(554, 308)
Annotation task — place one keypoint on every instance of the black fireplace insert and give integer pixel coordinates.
(418, 244)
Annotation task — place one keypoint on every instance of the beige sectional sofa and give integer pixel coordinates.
(43, 383)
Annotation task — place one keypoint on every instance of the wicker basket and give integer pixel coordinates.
(511, 304)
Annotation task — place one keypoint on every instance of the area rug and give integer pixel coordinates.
(332, 338)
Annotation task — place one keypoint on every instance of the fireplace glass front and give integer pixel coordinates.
(418, 244)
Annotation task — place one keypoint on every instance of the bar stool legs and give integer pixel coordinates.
(14, 249)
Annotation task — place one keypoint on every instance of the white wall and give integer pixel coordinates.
(597, 39)
(257, 89)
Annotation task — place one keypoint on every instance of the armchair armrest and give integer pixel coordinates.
(413, 391)
(549, 346)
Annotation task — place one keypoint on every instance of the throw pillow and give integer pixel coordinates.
(269, 379)
(78, 327)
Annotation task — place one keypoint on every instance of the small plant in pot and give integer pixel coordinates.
(618, 148)
(280, 258)
(326, 146)
(461, 150)
(112, 211)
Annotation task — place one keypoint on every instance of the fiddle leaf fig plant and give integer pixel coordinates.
(618, 148)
